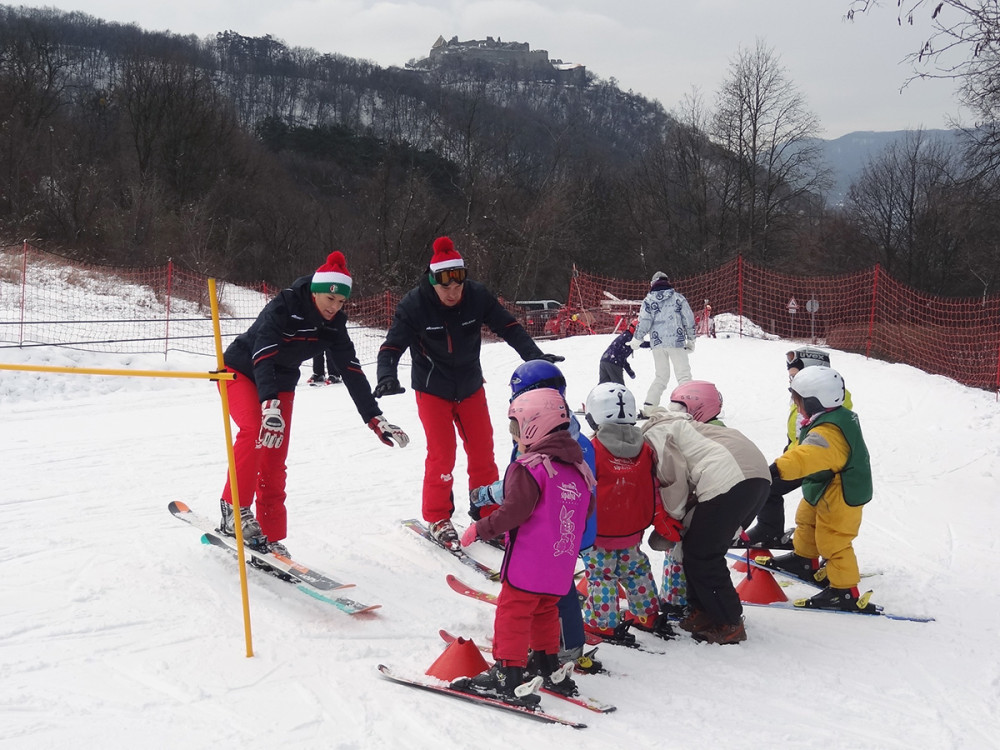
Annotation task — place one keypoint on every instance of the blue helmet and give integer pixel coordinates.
(537, 373)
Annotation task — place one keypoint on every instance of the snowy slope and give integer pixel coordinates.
(119, 630)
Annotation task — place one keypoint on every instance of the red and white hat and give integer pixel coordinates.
(445, 256)
(332, 277)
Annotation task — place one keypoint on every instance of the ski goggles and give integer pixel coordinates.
(447, 277)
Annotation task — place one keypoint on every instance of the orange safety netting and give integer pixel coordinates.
(165, 308)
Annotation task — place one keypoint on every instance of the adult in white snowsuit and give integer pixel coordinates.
(666, 316)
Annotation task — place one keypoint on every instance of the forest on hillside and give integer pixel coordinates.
(247, 159)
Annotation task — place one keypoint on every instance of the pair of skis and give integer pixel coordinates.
(305, 579)
(870, 610)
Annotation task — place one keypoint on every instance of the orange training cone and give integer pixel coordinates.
(759, 587)
(461, 658)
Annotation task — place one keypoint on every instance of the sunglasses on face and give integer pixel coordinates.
(447, 277)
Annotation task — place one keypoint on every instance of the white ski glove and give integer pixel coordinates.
(689, 345)
(388, 433)
(272, 425)
(635, 343)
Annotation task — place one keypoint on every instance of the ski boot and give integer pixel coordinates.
(847, 600)
(555, 677)
(505, 683)
(253, 536)
(804, 568)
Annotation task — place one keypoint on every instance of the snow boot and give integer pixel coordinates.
(695, 621)
(722, 634)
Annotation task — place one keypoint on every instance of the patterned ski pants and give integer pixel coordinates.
(606, 569)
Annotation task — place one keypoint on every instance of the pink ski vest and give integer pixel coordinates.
(542, 555)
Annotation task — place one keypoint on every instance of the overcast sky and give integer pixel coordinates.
(849, 73)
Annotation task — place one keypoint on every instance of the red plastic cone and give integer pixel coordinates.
(462, 658)
(759, 587)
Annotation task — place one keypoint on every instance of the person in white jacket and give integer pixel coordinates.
(666, 316)
(713, 480)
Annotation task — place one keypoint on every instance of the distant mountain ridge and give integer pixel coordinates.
(848, 155)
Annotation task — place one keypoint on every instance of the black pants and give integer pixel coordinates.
(706, 542)
(318, 365)
(771, 518)
(609, 372)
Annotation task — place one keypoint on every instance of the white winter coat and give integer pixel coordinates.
(703, 460)
(666, 316)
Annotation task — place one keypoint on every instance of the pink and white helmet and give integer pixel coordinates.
(538, 413)
(701, 399)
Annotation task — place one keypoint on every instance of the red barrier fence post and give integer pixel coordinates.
(739, 290)
(24, 283)
(871, 316)
(166, 328)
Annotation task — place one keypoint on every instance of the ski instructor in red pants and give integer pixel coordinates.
(440, 322)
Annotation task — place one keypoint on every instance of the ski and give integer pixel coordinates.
(483, 569)
(867, 607)
(878, 611)
(784, 575)
(305, 579)
(441, 689)
(588, 703)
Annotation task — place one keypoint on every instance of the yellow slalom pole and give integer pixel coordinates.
(131, 373)
(224, 391)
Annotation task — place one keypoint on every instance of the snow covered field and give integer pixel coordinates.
(119, 630)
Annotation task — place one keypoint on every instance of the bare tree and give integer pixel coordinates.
(764, 123)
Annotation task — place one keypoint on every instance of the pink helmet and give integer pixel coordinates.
(701, 399)
(538, 412)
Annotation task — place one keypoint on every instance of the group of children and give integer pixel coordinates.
(696, 482)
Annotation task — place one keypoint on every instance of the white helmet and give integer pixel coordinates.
(610, 402)
(821, 388)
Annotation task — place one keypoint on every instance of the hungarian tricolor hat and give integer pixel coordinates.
(332, 277)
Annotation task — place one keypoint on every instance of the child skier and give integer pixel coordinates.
(615, 358)
(626, 498)
(539, 373)
(547, 498)
(832, 461)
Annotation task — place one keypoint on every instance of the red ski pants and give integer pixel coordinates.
(524, 620)
(441, 418)
(260, 472)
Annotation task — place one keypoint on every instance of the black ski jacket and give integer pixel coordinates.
(289, 331)
(445, 342)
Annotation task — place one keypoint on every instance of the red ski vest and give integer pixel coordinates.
(626, 491)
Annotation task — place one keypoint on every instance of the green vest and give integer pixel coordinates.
(856, 476)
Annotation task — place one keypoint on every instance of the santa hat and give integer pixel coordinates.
(445, 256)
(332, 277)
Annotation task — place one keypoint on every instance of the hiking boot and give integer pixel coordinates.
(504, 683)
(618, 635)
(803, 568)
(555, 677)
(696, 621)
(722, 634)
(253, 536)
(831, 598)
(445, 534)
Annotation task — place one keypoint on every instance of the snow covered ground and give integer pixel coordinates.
(119, 630)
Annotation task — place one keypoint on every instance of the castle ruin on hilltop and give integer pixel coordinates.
(497, 52)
